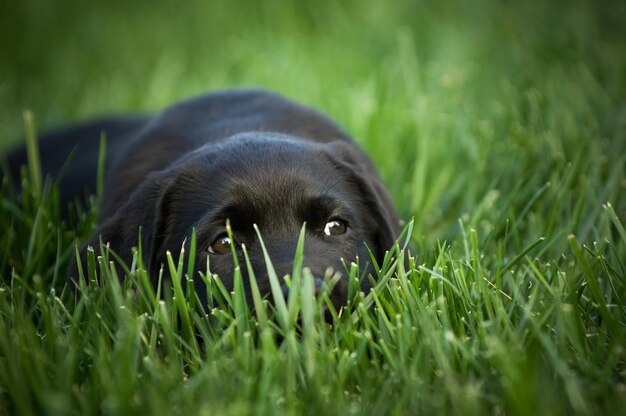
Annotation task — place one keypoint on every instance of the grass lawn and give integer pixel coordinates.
(500, 130)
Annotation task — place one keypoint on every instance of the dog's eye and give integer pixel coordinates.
(335, 227)
(221, 245)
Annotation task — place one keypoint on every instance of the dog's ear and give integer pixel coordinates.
(143, 210)
(382, 218)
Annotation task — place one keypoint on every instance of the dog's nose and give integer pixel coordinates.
(318, 285)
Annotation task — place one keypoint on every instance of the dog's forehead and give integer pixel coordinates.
(269, 161)
(272, 186)
(279, 179)
(262, 178)
(284, 201)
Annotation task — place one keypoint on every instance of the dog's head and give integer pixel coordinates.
(275, 182)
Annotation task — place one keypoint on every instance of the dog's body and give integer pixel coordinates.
(250, 157)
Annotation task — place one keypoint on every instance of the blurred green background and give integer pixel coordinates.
(457, 102)
(499, 126)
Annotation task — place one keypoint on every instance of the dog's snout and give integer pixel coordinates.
(318, 286)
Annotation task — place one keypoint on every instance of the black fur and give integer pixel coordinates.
(251, 157)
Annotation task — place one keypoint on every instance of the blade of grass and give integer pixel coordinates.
(277, 293)
(32, 150)
(183, 310)
(257, 300)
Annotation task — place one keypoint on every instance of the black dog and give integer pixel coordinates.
(250, 157)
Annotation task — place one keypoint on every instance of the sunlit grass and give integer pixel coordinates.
(446, 332)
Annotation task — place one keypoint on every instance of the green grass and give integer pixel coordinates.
(499, 128)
